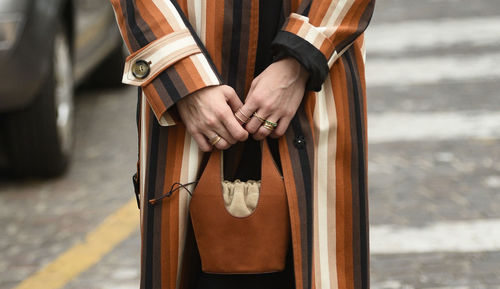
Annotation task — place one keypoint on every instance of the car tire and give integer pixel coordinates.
(109, 72)
(40, 136)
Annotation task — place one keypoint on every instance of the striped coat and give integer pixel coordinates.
(191, 44)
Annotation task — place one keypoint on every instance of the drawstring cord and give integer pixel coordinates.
(172, 190)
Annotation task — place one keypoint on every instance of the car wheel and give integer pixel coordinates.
(40, 136)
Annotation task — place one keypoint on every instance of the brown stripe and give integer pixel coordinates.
(252, 46)
(169, 233)
(294, 25)
(179, 134)
(286, 8)
(166, 253)
(295, 5)
(309, 148)
(361, 74)
(301, 190)
(309, 105)
(340, 163)
(214, 26)
(318, 11)
(178, 82)
(246, 12)
(301, 208)
(227, 38)
(327, 48)
(154, 99)
(313, 275)
(159, 94)
(356, 189)
(153, 17)
(143, 26)
(120, 19)
(132, 43)
(361, 211)
(184, 7)
(189, 74)
(244, 50)
(293, 204)
(350, 24)
(354, 172)
(157, 211)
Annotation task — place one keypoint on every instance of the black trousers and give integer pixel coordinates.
(278, 280)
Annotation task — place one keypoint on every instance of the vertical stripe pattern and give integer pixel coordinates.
(323, 153)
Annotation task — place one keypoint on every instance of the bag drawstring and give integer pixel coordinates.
(172, 190)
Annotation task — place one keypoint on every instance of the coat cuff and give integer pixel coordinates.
(306, 43)
(287, 44)
(169, 69)
(300, 26)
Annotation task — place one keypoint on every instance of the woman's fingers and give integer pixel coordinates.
(258, 119)
(265, 129)
(202, 142)
(222, 144)
(277, 91)
(216, 140)
(234, 129)
(232, 98)
(280, 130)
(247, 110)
(221, 130)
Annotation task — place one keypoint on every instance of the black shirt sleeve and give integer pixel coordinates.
(287, 44)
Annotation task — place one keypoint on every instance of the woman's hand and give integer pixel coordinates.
(209, 112)
(275, 95)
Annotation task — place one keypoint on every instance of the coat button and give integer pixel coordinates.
(299, 142)
(140, 69)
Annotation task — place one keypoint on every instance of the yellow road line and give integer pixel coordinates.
(111, 232)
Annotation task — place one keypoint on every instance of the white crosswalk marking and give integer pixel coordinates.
(463, 236)
(432, 69)
(400, 126)
(428, 34)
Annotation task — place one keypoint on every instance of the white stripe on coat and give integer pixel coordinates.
(170, 13)
(189, 169)
(324, 192)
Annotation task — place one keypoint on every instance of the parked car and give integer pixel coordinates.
(47, 47)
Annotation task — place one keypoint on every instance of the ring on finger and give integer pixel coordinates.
(243, 114)
(239, 118)
(268, 126)
(214, 140)
(273, 124)
(261, 119)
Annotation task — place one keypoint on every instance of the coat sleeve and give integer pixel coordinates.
(168, 60)
(320, 32)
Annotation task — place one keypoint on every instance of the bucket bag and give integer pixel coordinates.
(241, 227)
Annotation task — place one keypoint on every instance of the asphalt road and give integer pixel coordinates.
(434, 173)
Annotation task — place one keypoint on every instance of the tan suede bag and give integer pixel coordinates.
(241, 227)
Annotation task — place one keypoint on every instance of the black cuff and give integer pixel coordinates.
(288, 44)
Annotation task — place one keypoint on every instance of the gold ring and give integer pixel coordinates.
(273, 124)
(213, 141)
(268, 126)
(261, 119)
(247, 117)
(235, 115)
